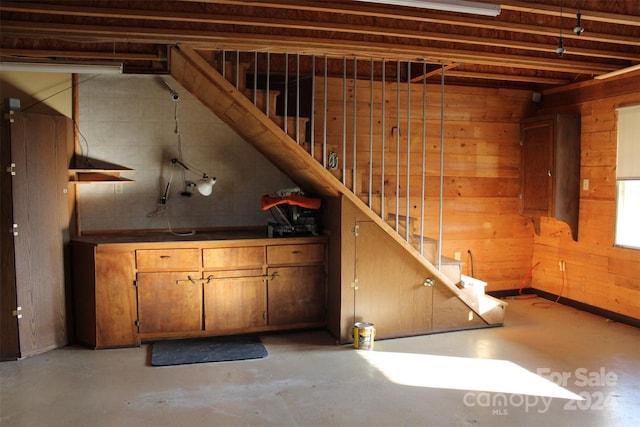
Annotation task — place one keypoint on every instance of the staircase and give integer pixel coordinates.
(252, 113)
(265, 99)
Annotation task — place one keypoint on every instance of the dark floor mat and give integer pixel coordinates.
(205, 350)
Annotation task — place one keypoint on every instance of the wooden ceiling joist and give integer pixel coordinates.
(42, 53)
(184, 17)
(523, 37)
(505, 77)
(338, 47)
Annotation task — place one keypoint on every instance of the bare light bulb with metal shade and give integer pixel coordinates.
(205, 185)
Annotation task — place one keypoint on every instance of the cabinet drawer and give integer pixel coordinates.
(230, 258)
(168, 259)
(295, 254)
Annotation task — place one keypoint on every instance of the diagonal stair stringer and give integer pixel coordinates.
(201, 79)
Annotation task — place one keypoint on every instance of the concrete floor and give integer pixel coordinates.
(473, 378)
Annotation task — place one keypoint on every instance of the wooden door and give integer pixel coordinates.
(296, 295)
(537, 165)
(390, 291)
(235, 303)
(36, 200)
(169, 302)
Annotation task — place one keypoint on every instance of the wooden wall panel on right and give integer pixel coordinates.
(596, 272)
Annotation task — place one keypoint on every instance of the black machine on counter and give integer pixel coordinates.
(294, 213)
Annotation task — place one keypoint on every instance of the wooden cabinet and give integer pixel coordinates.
(34, 219)
(128, 292)
(235, 291)
(169, 302)
(295, 254)
(235, 303)
(550, 169)
(296, 295)
(296, 289)
(168, 259)
(105, 296)
(386, 287)
(243, 257)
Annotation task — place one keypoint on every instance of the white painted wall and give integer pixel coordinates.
(130, 120)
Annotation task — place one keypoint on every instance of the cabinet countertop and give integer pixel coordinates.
(199, 237)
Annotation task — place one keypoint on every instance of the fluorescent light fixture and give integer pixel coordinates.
(618, 72)
(461, 6)
(63, 67)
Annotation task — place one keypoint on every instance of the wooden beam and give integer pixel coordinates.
(553, 10)
(506, 77)
(529, 7)
(337, 48)
(370, 11)
(434, 73)
(311, 45)
(44, 53)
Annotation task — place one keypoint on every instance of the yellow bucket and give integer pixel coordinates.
(364, 334)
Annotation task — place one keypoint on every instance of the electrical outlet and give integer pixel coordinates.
(585, 184)
(117, 188)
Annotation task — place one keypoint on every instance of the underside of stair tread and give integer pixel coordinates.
(450, 261)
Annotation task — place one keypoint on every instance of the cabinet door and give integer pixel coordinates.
(537, 162)
(390, 292)
(296, 295)
(169, 302)
(35, 199)
(235, 303)
(115, 300)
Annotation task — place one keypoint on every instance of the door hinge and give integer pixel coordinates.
(264, 315)
(136, 323)
(135, 283)
(13, 230)
(354, 285)
(355, 230)
(11, 169)
(17, 313)
(9, 116)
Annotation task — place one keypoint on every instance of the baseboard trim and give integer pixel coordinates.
(616, 317)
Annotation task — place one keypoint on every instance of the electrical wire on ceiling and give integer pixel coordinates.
(560, 50)
(579, 29)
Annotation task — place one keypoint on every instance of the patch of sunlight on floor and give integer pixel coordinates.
(463, 373)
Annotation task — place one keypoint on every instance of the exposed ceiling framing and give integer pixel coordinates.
(516, 48)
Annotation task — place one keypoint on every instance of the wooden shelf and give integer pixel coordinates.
(97, 176)
(97, 172)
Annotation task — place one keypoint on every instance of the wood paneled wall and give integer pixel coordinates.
(596, 273)
(481, 165)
